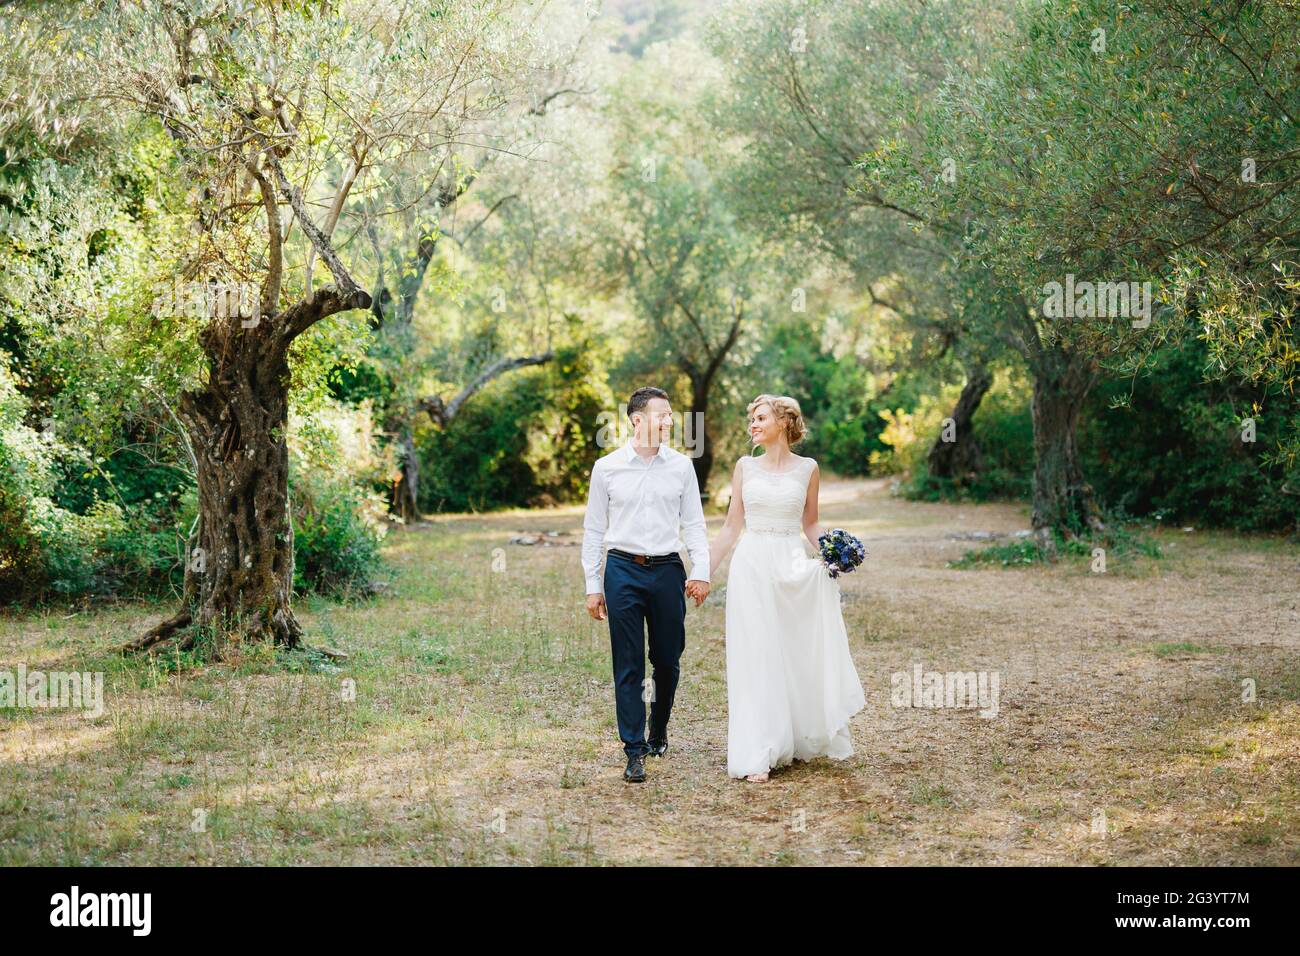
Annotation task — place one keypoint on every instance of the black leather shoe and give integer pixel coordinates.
(635, 772)
(658, 742)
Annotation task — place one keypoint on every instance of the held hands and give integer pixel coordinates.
(697, 590)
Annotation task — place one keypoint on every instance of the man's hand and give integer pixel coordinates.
(596, 606)
(698, 590)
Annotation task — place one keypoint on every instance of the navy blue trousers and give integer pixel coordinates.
(638, 596)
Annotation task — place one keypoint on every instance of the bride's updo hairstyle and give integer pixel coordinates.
(786, 409)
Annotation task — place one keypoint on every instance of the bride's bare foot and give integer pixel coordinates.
(757, 778)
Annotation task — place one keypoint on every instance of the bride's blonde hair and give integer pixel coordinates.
(786, 409)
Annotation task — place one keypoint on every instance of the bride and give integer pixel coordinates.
(791, 683)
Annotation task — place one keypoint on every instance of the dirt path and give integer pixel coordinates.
(1108, 745)
(482, 724)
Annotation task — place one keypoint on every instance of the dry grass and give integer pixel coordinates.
(483, 725)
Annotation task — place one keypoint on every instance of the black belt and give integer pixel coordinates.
(647, 558)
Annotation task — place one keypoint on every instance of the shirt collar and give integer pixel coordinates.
(631, 454)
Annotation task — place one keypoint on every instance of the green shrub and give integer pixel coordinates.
(339, 522)
(49, 551)
(142, 554)
(527, 439)
(336, 536)
(1168, 445)
(146, 555)
(20, 556)
(1004, 428)
(1165, 445)
(104, 553)
(44, 548)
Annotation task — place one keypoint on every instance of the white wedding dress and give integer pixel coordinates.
(791, 683)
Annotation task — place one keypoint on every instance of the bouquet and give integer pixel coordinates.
(841, 552)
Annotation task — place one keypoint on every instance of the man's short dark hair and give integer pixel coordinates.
(641, 398)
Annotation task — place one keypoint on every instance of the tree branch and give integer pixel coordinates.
(275, 268)
(347, 287)
(442, 413)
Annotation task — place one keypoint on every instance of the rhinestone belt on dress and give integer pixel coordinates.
(769, 529)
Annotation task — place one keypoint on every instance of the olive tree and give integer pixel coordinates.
(280, 114)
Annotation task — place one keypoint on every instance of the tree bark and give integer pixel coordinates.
(239, 577)
(244, 565)
(406, 492)
(961, 457)
(1063, 500)
(703, 463)
(391, 315)
(702, 380)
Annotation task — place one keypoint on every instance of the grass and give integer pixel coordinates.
(1119, 544)
(1186, 647)
(473, 722)
(1006, 555)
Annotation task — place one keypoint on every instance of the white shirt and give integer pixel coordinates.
(639, 506)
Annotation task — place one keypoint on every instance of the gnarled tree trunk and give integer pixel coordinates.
(1063, 500)
(961, 456)
(239, 577)
(244, 562)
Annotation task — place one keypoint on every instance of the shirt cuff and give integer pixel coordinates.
(594, 586)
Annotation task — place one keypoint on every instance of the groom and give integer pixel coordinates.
(641, 495)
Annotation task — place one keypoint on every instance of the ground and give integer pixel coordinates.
(482, 729)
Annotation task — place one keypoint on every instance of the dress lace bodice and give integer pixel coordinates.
(774, 501)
